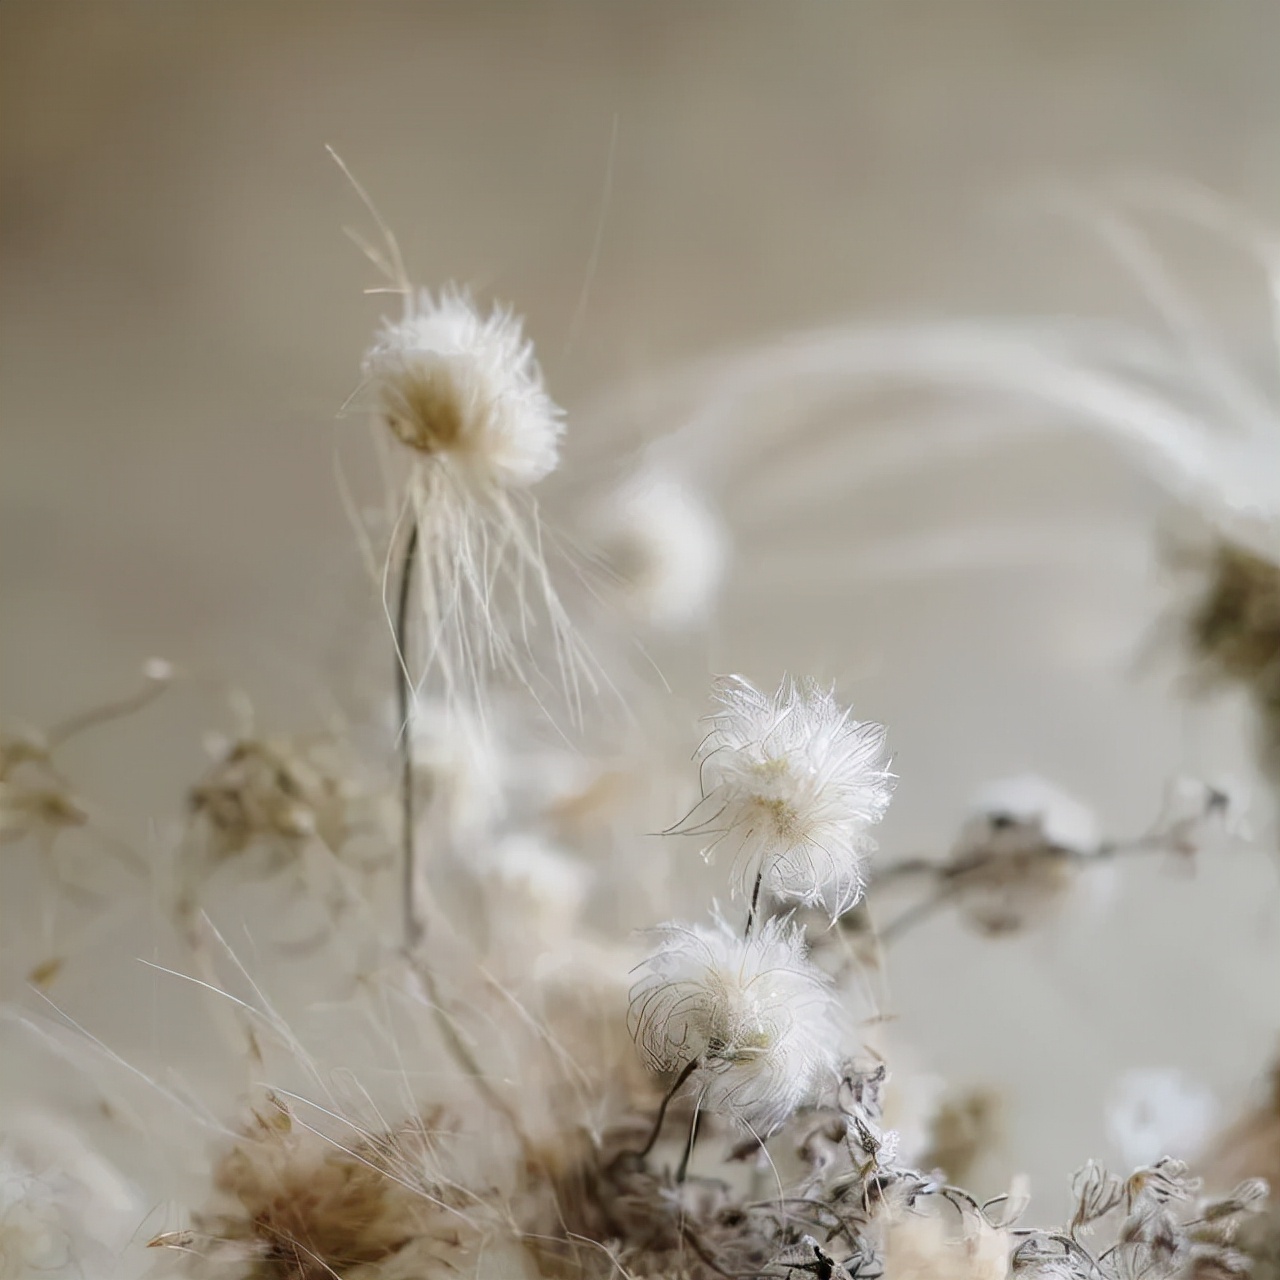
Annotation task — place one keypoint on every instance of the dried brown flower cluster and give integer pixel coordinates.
(35, 799)
(963, 1130)
(271, 792)
(301, 1206)
(282, 798)
(1014, 867)
(856, 1212)
(1234, 632)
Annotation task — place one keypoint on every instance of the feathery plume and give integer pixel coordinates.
(797, 783)
(465, 392)
(752, 1019)
(665, 547)
(464, 395)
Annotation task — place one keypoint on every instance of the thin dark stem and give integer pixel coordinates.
(950, 876)
(707, 1260)
(689, 1068)
(413, 924)
(683, 1171)
(755, 903)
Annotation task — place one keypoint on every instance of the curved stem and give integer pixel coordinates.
(155, 685)
(413, 924)
(686, 1071)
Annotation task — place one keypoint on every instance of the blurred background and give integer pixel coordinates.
(182, 320)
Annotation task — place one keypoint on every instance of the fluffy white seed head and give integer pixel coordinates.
(460, 759)
(666, 547)
(756, 1016)
(465, 390)
(1023, 853)
(1043, 808)
(464, 394)
(797, 783)
(1155, 1112)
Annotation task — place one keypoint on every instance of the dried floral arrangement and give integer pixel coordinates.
(514, 1080)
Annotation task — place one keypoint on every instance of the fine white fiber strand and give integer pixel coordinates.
(1058, 373)
(989, 548)
(789, 484)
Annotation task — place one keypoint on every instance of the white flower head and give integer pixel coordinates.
(666, 547)
(1046, 812)
(753, 1018)
(460, 757)
(797, 783)
(465, 391)
(1023, 852)
(465, 396)
(1156, 1112)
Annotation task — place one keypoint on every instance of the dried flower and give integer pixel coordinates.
(1250, 1147)
(753, 1018)
(1020, 853)
(35, 800)
(963, 1130)
(465, 395)
(664, 546)
(1233, 629)
(271, 791)
(796, 782)
(288, 804)
(461, 767)
(534, 894)
(465, 392)
(1158, 1112)
(299, 1206)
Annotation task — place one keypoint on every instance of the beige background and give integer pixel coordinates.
(182, 319)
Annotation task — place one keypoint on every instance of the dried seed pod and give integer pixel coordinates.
(295, 1205)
